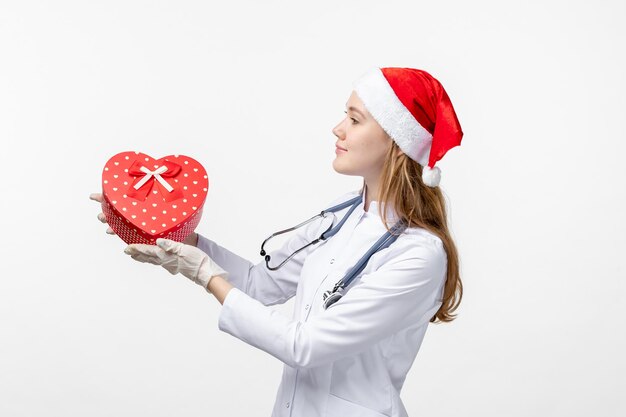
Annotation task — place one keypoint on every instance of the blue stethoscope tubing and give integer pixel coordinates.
(331, 297)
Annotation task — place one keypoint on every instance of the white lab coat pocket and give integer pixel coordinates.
(339, 407)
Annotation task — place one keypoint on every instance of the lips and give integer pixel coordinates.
(339, 147)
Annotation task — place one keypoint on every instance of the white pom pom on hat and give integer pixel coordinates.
(431, 177)
(415, 110)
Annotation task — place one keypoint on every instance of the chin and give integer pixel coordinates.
(341, 168)
(337, 166)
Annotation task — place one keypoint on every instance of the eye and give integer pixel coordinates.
(354, 121)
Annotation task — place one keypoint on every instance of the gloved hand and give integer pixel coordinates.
(178, 257)
(98, 197)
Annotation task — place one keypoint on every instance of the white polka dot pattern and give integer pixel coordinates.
(137, 221)
(130, 234)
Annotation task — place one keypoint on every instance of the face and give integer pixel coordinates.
(361, 143)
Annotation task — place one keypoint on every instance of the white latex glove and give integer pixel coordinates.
(178, 257)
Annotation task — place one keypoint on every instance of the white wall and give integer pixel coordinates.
(252, 90)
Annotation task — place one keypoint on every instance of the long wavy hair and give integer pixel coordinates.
(421, 206)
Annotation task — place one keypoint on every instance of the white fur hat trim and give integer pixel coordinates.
(386, 108)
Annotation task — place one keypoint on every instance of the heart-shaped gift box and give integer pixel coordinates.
(146, 198)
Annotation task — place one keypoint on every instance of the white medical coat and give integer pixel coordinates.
(351, 359)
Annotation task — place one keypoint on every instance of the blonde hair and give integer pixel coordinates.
(421, 206)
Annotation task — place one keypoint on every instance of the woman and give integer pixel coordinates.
(347, 353)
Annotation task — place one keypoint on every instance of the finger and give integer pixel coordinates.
(146, 258)
(149, 250)
(96, 196)
(168, 245)
(143, 253)
(102, 217)
(110, 231)
(171, 268)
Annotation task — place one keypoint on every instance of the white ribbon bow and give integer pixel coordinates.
(156, 173)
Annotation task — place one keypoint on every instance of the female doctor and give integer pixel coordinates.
(369, 273)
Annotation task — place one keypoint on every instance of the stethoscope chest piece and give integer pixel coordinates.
(331, 297)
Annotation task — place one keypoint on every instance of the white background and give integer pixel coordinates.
(252, 90)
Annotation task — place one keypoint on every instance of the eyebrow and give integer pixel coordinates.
(356, 110)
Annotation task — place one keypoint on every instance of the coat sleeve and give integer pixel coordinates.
(404, 291)
(266, 286)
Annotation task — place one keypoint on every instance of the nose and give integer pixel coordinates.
(339, 130)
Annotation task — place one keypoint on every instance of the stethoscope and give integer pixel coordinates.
(331, 297)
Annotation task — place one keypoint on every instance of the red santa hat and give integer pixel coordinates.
(415, 110)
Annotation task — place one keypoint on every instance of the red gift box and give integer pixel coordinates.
(146, 198)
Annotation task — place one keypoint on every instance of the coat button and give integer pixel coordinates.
(287, 404)
(332, 261)
(306, 307)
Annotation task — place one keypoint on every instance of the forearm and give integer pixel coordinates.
(239, 268)
(260, 283)
(219, 287)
